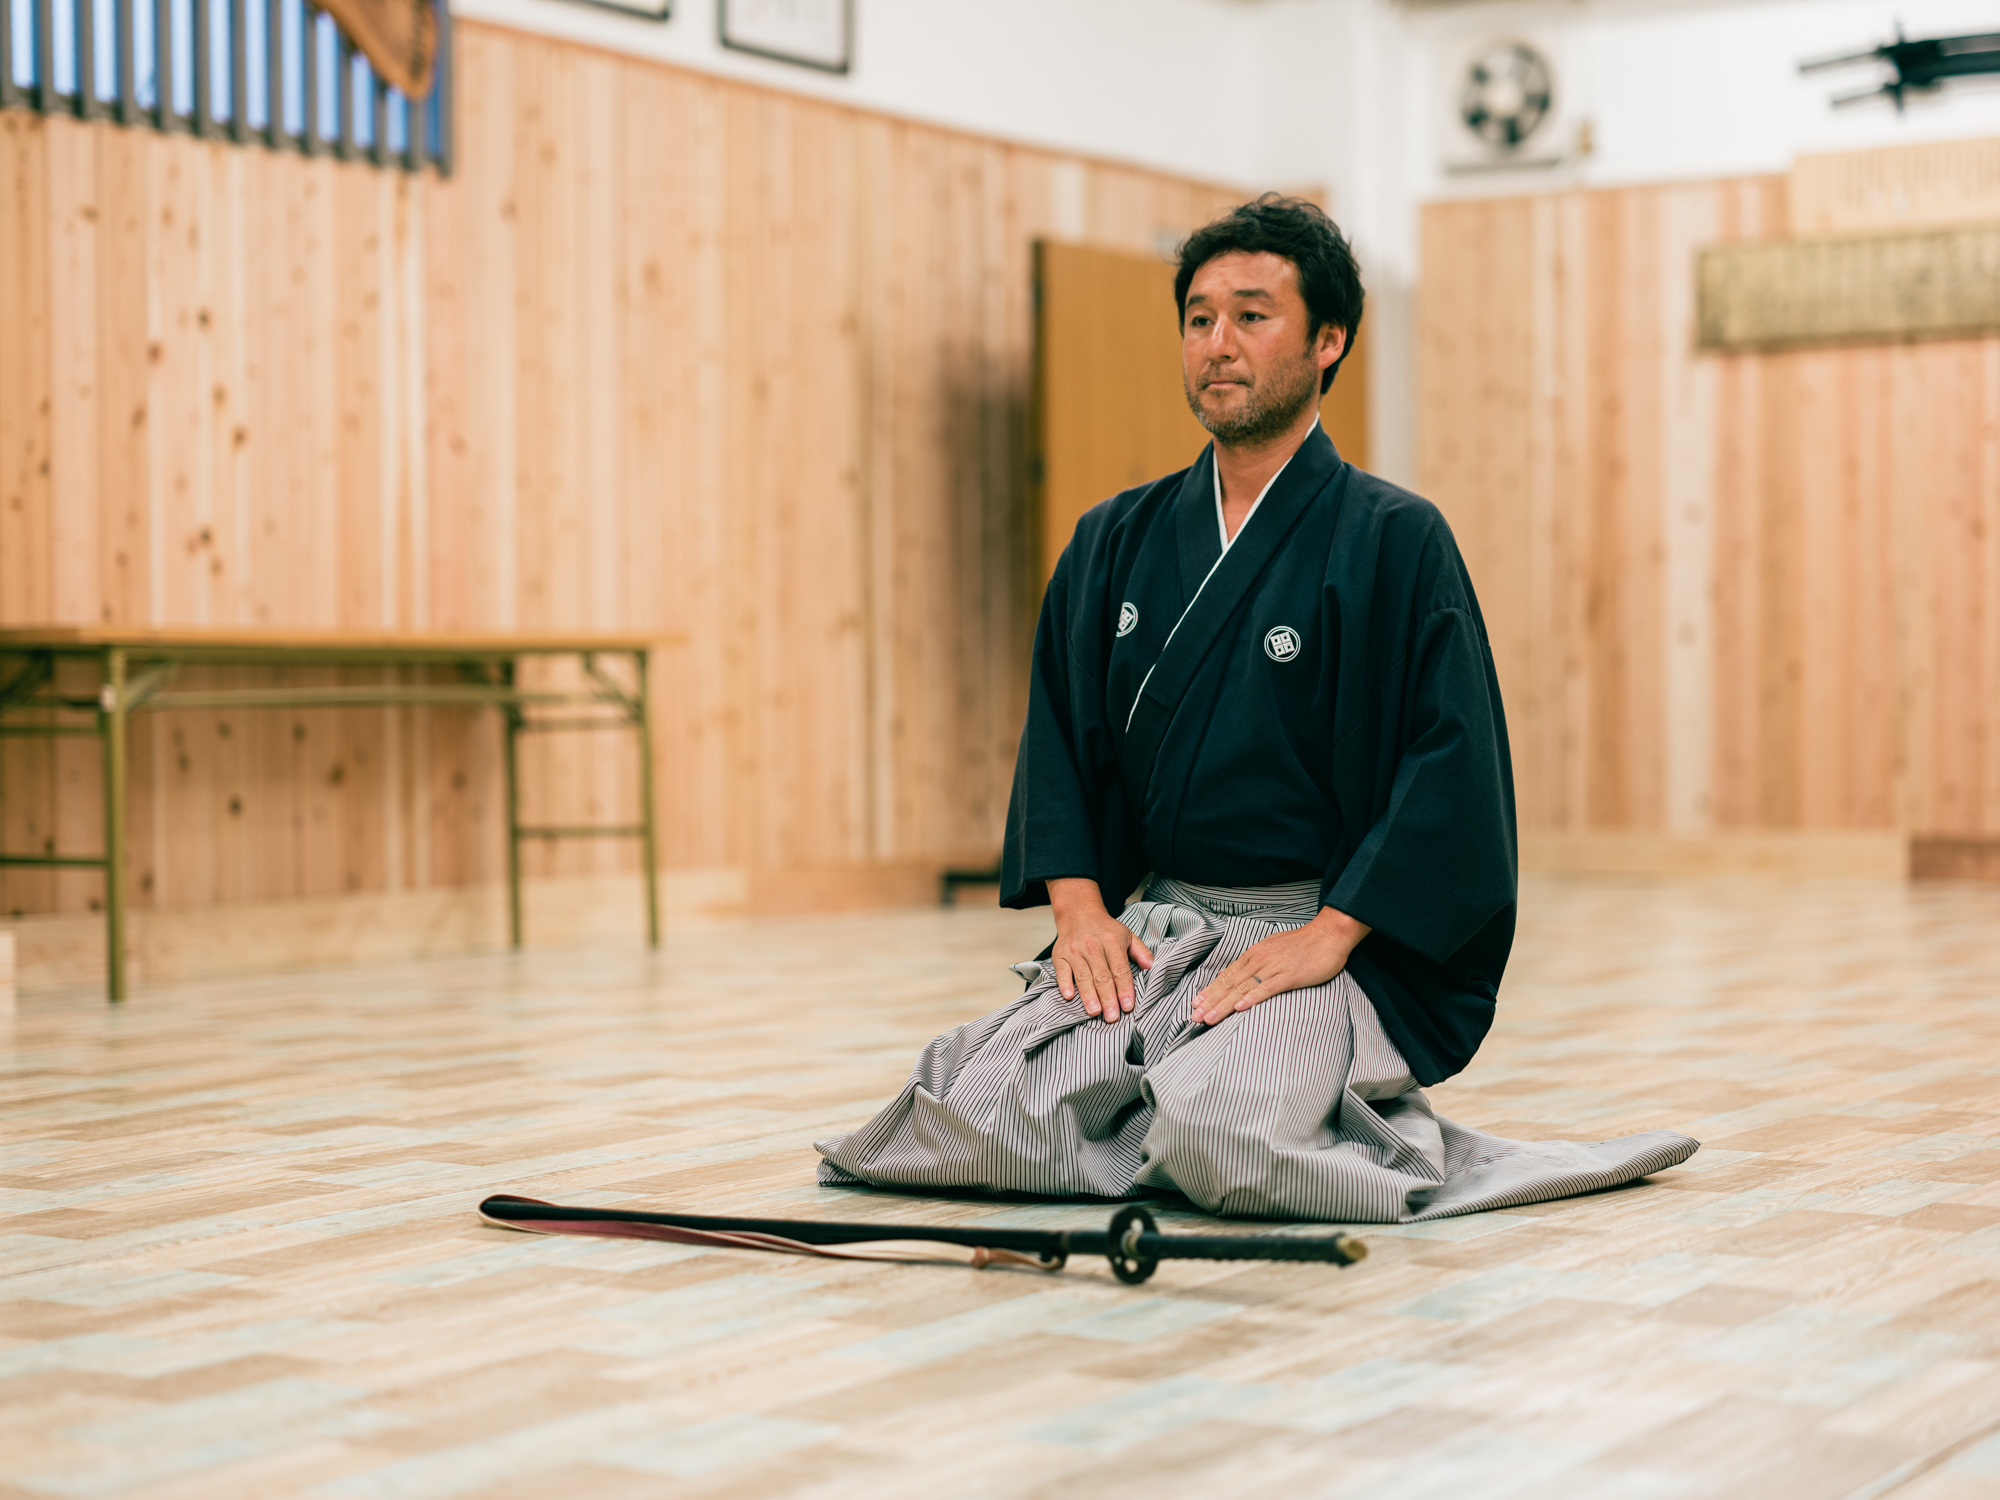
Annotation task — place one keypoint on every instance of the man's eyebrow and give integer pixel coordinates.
(1248, 291)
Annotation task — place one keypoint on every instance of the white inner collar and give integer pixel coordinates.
(1221, 527)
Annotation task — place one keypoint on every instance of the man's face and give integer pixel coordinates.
(1247, 365)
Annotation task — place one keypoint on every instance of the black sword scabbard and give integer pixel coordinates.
(506, 1207)
(1132, 1242)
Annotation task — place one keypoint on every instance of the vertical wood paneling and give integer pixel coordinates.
(1726, 592)
(74, 450)
(1687, 395)
(666, 352)
(1475, 435)
(30, 817)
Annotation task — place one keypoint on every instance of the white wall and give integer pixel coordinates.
(1355, 90)
(1163, 83)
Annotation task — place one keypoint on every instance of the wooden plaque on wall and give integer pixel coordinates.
(1777, 294)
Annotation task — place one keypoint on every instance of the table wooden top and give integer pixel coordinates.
(290, 641)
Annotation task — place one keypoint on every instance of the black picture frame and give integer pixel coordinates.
(639, 10)
(758, 49)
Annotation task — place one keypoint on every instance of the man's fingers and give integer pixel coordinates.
(1083, 976)
(1102, 983)
(1224, 986)
(1121, 976)
(1141, 954)
(1240, 985)
(1063, 981)
(1086, 991)
(1262, 990)
(1236, 974)
(1221, 1007)
(1222, 1001)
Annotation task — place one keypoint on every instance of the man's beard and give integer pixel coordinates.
(1274, 404)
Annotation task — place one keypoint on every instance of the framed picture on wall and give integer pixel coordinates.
(652, 10)
(812, 33)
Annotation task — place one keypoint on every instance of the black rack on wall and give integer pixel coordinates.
(276, 72)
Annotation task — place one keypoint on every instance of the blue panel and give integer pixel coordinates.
(182, 98)
(346, 104)
(104, 35)
(62, 23)
(329, 79)
(292, 38)
(256, 70)
(21, 27)
(220, 105)
(361, 99)
(145, 75)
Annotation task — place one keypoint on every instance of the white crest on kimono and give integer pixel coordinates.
(1128, 617)
(1281, 643)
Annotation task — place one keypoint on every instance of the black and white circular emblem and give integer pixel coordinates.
(1281, 643)
(1128, 617)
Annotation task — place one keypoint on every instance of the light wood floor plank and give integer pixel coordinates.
(238, 1253)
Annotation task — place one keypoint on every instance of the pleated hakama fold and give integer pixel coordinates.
(1298, 1108)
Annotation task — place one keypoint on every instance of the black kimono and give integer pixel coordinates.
(1328, 710)
(1307, 718)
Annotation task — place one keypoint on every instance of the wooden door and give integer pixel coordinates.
(1109, 407)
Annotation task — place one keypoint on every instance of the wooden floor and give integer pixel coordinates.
(242, 1258)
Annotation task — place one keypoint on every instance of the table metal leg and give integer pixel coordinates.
(111, 724)
(649, 840)
(511, 714)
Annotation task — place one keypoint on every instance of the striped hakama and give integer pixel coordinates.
(1298, 1108)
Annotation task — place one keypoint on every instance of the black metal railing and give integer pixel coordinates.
(277, 72)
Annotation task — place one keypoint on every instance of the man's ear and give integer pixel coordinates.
(1332, 341)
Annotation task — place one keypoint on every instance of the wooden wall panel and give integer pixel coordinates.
(1113, 405)
(1481, 420)
(666, 353)
(1899, 187)
(1727, 592)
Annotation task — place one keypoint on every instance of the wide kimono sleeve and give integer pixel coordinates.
(1438, 863)
(1052, 815)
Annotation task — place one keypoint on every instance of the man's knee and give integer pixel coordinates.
(1201, 1120)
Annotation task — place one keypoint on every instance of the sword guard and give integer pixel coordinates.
(1127, 1264)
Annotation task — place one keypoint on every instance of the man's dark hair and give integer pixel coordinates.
(1303, 234)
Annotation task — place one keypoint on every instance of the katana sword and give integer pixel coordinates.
(1132, 1242)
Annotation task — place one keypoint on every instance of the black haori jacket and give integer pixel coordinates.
(1320, 704)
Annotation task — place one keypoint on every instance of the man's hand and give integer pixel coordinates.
(1094, 951)
(1294, 960)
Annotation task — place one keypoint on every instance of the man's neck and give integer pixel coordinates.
(1245, 470)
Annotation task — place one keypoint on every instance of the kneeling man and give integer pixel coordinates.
(1262, 698)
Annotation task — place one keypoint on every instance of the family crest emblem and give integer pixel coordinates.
(1128, 617)
(1281, 643)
